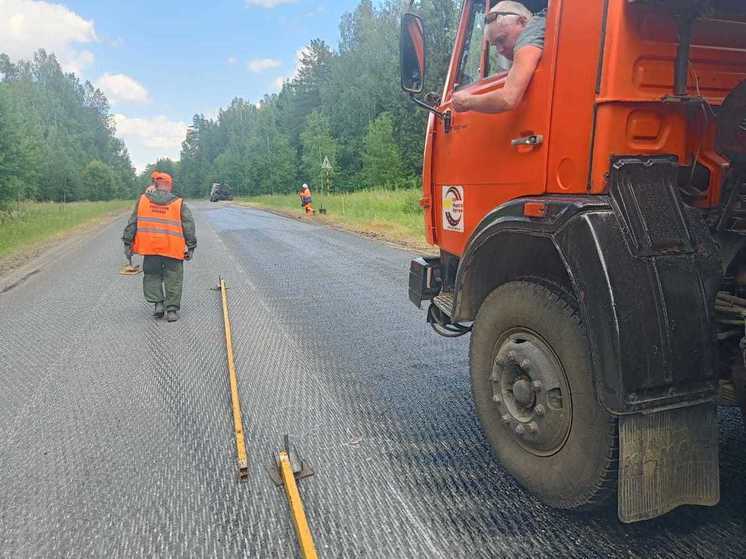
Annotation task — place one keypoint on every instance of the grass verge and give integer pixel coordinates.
(392, 215)
(26, 229)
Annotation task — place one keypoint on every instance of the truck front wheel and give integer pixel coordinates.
(533, 388)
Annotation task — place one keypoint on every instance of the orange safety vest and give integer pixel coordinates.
(159, 230)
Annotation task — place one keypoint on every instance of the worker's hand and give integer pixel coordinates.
(462, 101)
(189, 254)
(128, 251)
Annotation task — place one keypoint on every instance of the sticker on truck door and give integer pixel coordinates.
(453, 208)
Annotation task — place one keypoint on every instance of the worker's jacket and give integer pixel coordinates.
(305, 196)
(160, 225)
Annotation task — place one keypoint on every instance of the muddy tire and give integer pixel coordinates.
(533, 388)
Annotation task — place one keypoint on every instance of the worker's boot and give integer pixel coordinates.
(172, 315)
(159, 310)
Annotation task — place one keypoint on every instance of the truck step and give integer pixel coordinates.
(444, 301)
(728, 395)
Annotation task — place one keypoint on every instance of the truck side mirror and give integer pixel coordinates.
(412, 53)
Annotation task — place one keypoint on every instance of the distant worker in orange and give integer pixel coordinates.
(518, 35)
(162, 229)
(305, 199)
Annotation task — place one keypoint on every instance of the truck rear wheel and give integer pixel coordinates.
(533, 388)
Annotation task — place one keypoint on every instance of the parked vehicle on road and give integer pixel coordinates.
(220, 191)
(593, 243)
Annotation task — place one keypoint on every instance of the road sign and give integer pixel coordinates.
(326, 165)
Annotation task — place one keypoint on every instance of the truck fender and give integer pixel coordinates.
(643, 268)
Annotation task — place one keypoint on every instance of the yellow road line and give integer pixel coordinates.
(243, 462)
(305, 539)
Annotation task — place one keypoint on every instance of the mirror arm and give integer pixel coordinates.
(425, 105)
(444, 116)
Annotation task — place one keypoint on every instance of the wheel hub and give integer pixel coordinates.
(522, 392)
(531, 392)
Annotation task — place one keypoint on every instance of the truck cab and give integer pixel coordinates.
(592, 242)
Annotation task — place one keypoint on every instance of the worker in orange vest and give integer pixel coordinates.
(161, 228)
(305, 199)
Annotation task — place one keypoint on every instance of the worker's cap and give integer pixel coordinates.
(163, 178)
(305, 185)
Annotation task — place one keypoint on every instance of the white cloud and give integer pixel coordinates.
(76, 62)
(120, 88)
(278, 81)
(269, 3)
(257, 65)
(298, 54)
(148, 139)
(28, 25)
(211, 114)
(231, 60)
(317, 11)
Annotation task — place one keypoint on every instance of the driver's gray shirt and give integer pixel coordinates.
(533, 33)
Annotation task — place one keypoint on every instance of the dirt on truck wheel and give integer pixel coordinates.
(533, 389)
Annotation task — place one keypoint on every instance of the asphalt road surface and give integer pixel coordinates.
(116, 437)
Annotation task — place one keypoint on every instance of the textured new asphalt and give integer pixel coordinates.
(116, 437)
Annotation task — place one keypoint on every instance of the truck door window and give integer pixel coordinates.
(471, 56)
(497, 64)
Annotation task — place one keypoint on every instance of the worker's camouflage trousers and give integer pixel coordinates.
(161, 272)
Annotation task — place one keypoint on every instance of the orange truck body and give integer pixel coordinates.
(617, 185)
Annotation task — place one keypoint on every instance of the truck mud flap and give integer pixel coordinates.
(668, 459)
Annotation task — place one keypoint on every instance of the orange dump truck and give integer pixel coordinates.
(593, 244)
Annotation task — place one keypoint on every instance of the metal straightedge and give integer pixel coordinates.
(243, 461)
(287, 469)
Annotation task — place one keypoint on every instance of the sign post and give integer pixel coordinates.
(327, 186)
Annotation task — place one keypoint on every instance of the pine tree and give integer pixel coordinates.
(98, 181)
(19, 153)
(61, 125)
(382, 163)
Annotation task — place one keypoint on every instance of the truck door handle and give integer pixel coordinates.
(532, 140)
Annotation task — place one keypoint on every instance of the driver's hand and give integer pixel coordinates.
(461, 101)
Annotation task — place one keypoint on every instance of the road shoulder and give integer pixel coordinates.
(18, 267)
(410, 245)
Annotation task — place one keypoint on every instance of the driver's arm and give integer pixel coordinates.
(511, 95)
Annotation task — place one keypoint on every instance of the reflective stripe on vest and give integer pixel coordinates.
(159, 231)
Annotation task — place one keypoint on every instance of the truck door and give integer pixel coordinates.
(475, 166)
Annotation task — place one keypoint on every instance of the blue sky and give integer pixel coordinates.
(160, 62)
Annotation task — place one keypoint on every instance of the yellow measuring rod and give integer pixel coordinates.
(243, 462)
(305, 539)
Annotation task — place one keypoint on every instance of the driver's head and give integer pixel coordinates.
(503, 25)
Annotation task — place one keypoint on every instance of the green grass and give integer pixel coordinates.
(392, 214)
(33, 223)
